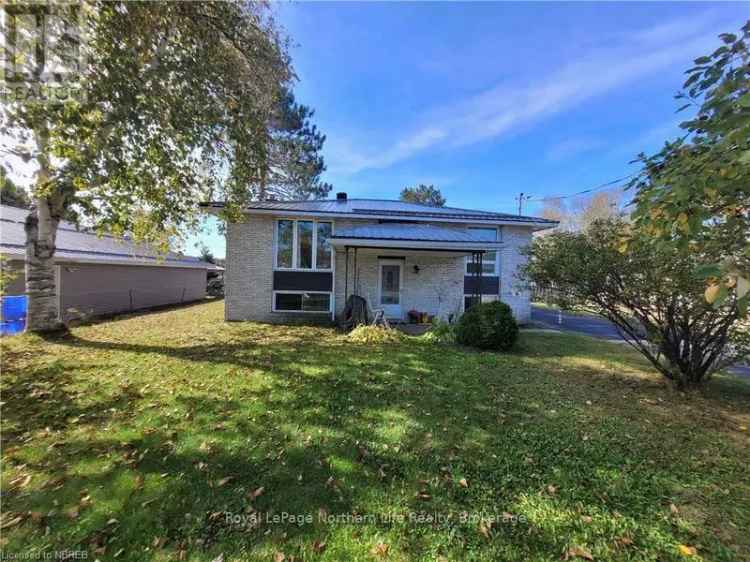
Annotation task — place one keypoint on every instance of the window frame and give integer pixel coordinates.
(326, 312)
(295, 243)
(498, 238)
(483, 299)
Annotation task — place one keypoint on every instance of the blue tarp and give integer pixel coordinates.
(13, 312)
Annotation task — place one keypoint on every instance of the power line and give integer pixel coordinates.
(585, 191)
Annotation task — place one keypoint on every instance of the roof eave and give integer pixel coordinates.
(214, 208)
(414, 244)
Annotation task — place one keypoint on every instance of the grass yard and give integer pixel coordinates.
(175, 436)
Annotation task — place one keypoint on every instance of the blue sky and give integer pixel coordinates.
(486, 100)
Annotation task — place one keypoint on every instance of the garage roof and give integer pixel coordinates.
(74, 245)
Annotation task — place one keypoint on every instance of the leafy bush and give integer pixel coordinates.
(374, 334)
(441, 332)
(215, 287)
(488, 325)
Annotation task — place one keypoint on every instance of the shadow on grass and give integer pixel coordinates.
(345, 429)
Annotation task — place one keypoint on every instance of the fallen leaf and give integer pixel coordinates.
(279, 557)
(578, 552)
(687, 550)
(72, 513)
(12, 522)
(223, 482)
(318, 546)
(36, 516)
(551, 489)
(485, 529)
(256, 493)
(586, 518)
(219, 558)
(673, 509)
(139, 481)
(624, 541)
(20, 482)
(463, 482)
(381, 549)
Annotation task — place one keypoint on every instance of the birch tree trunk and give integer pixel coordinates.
(41, 233)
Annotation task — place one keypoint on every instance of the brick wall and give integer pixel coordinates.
(512, 290)
(437, 288)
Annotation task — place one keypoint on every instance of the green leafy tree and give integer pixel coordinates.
(10, 193)
(206, 254)
(293, 162)
(424, 194)
(174, 108)
(695, 192)
(649, 292)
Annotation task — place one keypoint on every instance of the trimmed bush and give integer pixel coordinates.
(489, 325)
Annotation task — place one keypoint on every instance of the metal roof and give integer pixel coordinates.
(74, 245)
(384, 207)
(410, 231)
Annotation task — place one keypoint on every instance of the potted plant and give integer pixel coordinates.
(414, 316)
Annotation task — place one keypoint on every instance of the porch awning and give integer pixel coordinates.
(408, 235)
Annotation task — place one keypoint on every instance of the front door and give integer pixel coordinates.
(390, 282)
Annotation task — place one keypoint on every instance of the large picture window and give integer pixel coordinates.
(303, 244)
(302, 302)
(489, 259)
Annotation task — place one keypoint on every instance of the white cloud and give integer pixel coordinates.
(507, 108)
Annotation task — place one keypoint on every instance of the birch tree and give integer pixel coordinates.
(171, 104)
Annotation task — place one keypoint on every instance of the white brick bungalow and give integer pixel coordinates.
(300, 260)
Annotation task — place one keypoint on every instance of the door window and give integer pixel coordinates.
(390, 284)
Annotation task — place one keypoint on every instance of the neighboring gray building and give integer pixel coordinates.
(105, 275)
(302, 259)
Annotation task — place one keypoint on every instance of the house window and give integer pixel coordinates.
(323, 255)
(285, 244)
(303, 245)
(469, 300)
(489, 259)
(301, 302)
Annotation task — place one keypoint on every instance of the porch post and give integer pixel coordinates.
(356, 280)
(480, 279)
(346, 276)
(476, 297)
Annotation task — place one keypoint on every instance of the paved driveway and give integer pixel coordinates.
(593, 326)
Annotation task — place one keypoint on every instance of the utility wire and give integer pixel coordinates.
(585, 191)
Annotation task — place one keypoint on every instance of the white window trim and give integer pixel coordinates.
(330, 302)
(499, 238)
(295, 221)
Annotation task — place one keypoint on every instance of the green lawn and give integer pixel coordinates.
(133, 439)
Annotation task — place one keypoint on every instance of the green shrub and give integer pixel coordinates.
(441, 332)
(488, 325)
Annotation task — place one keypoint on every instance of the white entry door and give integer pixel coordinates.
(390, 282)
